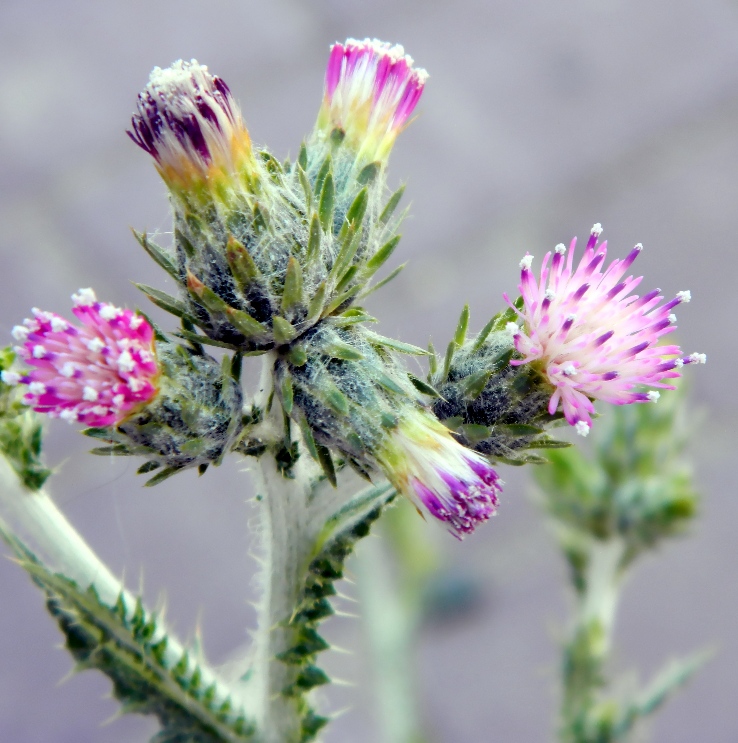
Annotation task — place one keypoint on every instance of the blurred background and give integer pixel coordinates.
(539, 119)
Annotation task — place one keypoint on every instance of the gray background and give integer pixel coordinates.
(539, 119)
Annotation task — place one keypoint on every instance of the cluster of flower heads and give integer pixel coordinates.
(189, 123)
(453, 483)
(371, 90)
(593, 336)
(95, 374)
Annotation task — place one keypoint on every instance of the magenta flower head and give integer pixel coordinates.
(444, 478)
(592, 337)
(96, 374)
(371, 90)
(189, 123)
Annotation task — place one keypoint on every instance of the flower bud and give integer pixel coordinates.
(371, 90)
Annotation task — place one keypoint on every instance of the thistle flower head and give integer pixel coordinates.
(371, 90)
(594, 338)
(454, 484)
(95, 374)
(189, 123)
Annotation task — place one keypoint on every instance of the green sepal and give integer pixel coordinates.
(244, 323)
(346, 278)
(448, 359)
(391, 205)
(368, 173)
(313, 250)
(297, 355)
(315, 307)
(327, 199)
(461, 328)
(335, 399)
(183, 242)
(326, 462)
(392, 275)
(338, 350)
(241, 263)
(473, 432)
(474, 384)
(380, 257)
(165, 301)
(165, 474)
(203, 339)
(406, 348)
(423, 387)
(148, 467)
(287, 393)
(283, 330)
(292, 292)
(302, 158)
(158, 254)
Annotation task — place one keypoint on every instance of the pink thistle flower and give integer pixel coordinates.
(593, 338)
(188, 121)
(449, 481)
(95, 374)
(371, 90)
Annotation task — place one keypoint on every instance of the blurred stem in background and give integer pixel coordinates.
(609, 508)
(394, 579)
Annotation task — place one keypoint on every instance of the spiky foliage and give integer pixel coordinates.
(492, 406)
(130, 646)
(607, 510)
(192, 422)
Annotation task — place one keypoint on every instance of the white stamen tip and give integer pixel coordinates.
(549, 295)
(527, 262)
(20, 333)
(10, 377)
(118, 400)
(560, 249)
(698, 358)
(70, 416)
(679, 363)
(37, 388)
(684, 296)
(95, 345)
(569, 370)
(84, 298)
(68, 370)
(672, 318)
(135, 322)
(135, 385)
(638, 247)
(513, 328)
(90, 394)
(59, 324)
(571, 318)
(597, 231)
(582, 428)
(109, 312)
(126, 362)
(39, 352)
(654, 396)
(99, 410)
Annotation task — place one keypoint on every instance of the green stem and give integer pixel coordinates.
(587, 652)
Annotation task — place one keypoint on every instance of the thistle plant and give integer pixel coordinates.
(275, 259)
